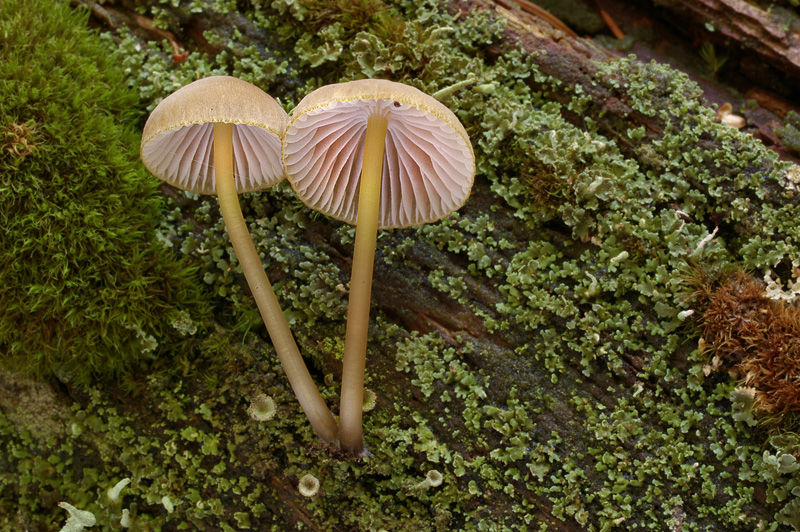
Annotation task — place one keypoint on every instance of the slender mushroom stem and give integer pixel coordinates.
(355, 342)
(304, 388)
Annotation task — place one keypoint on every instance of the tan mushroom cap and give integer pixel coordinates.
(428, 163)
(178, 138)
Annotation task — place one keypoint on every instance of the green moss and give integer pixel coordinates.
(86, 288)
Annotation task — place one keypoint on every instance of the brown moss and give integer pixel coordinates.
(757, 337)
(773, 365)
(547, 187)
(20, 139)
(732, 321)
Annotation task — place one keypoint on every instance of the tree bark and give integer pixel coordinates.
(766, 33)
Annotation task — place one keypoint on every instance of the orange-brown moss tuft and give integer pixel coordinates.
(754, 335)
(20, 140)
(773, 365)
(732, 321)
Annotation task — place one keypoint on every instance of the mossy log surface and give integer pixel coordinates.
(538, 348)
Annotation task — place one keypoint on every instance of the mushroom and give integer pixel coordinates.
(726, 116)
(223, 135)
(380, 155)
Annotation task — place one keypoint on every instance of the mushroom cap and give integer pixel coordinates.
(428, 162)
(178, 138)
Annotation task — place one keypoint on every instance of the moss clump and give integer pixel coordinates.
(753, 335)
(86, 289)
(349, 16)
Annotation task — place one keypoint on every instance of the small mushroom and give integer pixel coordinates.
(223, 135)
(726, 116)
(380, 155)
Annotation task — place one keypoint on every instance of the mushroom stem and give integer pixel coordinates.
(304, 388)
(355, 343)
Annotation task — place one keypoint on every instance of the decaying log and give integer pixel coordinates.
(767, 35)
(405, 300)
